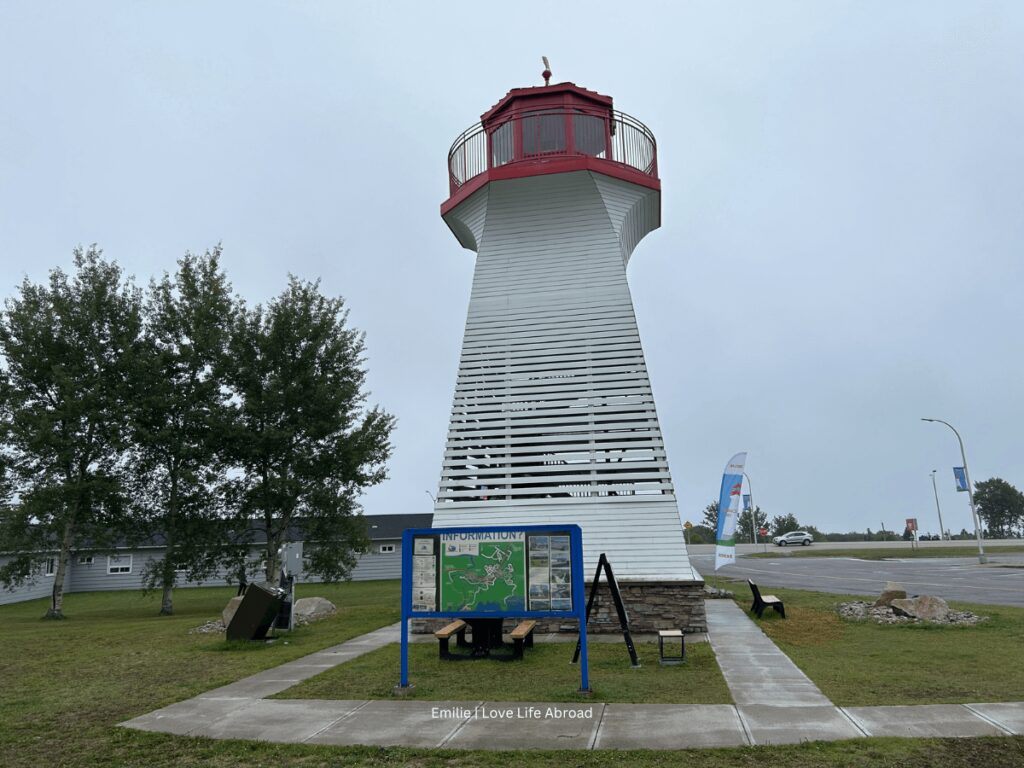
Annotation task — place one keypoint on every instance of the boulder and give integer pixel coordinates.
(229, 610)
(309, 609)
(925, 608)
(892, 591)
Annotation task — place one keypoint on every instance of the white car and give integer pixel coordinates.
(802, 538)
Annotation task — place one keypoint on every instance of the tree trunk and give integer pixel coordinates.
(167, 577)
(56, 610)
(273, 564)
(273, 561)
(167, 601)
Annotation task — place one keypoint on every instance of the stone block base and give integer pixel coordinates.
(650, 606)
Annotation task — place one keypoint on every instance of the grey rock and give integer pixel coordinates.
(892, 591)
(229, 610)
(925, 608)
(886, 614)
(309, 609)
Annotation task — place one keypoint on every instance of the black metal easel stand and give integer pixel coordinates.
(613, 586)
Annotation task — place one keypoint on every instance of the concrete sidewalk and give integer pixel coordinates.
(775, 704)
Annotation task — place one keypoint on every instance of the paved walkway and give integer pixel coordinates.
(775, 704)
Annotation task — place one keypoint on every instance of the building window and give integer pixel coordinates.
(50, 566)
(85, 560)
(119, 564)
(386, 548)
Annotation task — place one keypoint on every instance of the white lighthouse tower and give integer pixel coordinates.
(553, 419)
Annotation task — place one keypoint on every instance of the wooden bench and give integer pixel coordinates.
(443, 635)
(671, 634)
(522, 636)
(765, 601)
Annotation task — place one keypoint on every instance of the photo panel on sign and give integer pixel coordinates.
(561, 575)
(539, 591)
(559, 543)
(423, 546)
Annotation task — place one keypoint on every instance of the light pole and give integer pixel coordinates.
(970, 491)
(753, 512)
(942, 531)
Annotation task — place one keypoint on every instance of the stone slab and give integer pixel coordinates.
(281, 721)
(398, 723)
(517, 727)
(186, 716)
(670, 726)
(928, 720)
(792, 725)
(1009, 715)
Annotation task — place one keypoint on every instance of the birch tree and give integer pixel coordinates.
(68, 348)
(179, 421)
(305, 442)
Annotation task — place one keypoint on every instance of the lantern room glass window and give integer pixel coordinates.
(590, 134)
(543, 132)
(502, 145)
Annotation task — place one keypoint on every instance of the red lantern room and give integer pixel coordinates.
(550, 129)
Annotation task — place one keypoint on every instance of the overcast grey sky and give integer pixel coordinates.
(843, 207)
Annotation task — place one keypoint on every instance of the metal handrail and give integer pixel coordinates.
(614, 137)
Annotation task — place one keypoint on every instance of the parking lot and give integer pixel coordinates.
(1000, 582)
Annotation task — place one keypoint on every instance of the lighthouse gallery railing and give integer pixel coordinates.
(550, 134)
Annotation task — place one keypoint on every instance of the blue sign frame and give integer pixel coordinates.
(578, 610)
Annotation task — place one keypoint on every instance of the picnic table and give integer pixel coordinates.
(486, 636)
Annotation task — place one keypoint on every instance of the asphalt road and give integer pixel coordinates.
(951, 578)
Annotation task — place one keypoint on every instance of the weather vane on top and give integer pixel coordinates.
(546, 74)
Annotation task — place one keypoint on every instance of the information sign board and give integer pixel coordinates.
(508, 572)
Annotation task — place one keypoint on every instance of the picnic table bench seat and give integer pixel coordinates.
(522, 636)
(765, 601)
(443, 635)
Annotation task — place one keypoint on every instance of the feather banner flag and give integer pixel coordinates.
(729, 510)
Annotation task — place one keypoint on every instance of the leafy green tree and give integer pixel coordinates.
(820, 536)
(757, 518)
(784, 524)
(701, 534)
(1000, 506)
(710, 516)
(69, 346)
(306, 445)
(180, 422)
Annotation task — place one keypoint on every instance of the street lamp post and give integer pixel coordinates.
(942, 531)
(754, 513)
(970, 490)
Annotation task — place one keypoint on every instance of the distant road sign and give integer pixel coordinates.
(687, 525)
(912, 523)
(762, 531)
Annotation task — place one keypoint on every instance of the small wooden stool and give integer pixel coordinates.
(671, 634)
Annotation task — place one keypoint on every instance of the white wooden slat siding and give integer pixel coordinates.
(553, 418)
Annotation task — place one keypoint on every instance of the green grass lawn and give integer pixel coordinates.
(545, 674)
(65, 685)
(863, 663)
(888, 553)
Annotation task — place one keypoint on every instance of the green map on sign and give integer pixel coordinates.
(491, 579)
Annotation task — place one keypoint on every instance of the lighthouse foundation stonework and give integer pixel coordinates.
(553, 419)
